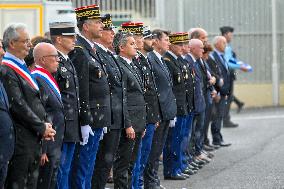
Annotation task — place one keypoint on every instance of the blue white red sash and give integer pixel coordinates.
(21, 69)
(48, 78)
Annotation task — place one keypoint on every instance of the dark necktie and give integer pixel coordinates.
(224, 62)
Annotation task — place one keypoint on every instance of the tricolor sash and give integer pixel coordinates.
(20, 69)
(48, 78)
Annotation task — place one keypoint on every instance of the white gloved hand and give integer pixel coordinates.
(86, 131)
(173, 122)
(103, 133)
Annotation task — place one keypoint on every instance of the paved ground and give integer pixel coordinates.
(255, 160)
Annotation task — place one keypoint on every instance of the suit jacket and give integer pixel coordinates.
(225, 89)
(164, 85)
(116, 84)
(94, 90)
(27, 111)
(215, 71)
(55, 113)
(189, 82)
(7, 136)
(176, 69)
(150, 90)
(67, 80)
(135, 103)
(199, 100)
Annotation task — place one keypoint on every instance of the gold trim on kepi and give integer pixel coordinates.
(107, 21)
(136, 28)
(88, 12)
(179, 37)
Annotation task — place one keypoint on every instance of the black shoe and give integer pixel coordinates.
(240, 107)
(189, 172)
(208, 148)
(192, 167)
(185, 175)
(230, 125)
(196, 165)
(199, 161)
(223, 144)
(177, 177)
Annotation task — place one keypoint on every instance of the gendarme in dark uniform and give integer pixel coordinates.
(109, 144)
(172, 149)
(67, 80)
(94, 92)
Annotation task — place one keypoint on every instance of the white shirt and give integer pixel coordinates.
(126, 59)
(194, 60)
(9, 55)
(90, 42)
(158, 55)
(103, 47)
(65, 56)
(173, 54)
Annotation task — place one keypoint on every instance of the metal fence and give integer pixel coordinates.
(250, 18)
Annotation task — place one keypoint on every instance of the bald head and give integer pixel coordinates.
(46, 56)
(196, 48)
(220, 43)
(199, 33)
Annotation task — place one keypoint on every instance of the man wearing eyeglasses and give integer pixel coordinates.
(46, 63)
(94, 93)
(27, 110)
(63, 37)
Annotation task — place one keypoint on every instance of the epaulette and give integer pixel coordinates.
(167, 59)
(77, 46)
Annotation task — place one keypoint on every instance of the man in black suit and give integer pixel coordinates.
(94, 93)
(27, 110)
(167, 103)
(135, 118)
(219, 43)
(63, 37)
(46, 63)
(6, 129)
(109, 144)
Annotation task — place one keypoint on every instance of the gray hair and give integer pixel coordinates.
(11, 33)
(120, 39)
(218, 38)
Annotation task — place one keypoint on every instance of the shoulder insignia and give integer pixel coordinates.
(167, 59)
(77, 46)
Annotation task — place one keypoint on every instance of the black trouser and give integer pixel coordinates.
(3, 173)
(208, 118)
(105, 156)
(48, 172)
(23, 167)
(151, 179)
(125, 159)
(217, 120)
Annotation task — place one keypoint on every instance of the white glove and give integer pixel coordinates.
(173, 122)
(86, 131)
(103, 133)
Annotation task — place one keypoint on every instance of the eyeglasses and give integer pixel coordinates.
(56, 56)
(25, 41)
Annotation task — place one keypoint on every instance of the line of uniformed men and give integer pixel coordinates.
(129, 97)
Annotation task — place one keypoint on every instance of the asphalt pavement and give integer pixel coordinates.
(255, 160)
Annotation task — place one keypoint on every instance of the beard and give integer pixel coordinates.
(148, 48)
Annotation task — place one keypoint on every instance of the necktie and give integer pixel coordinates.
(224, 62)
